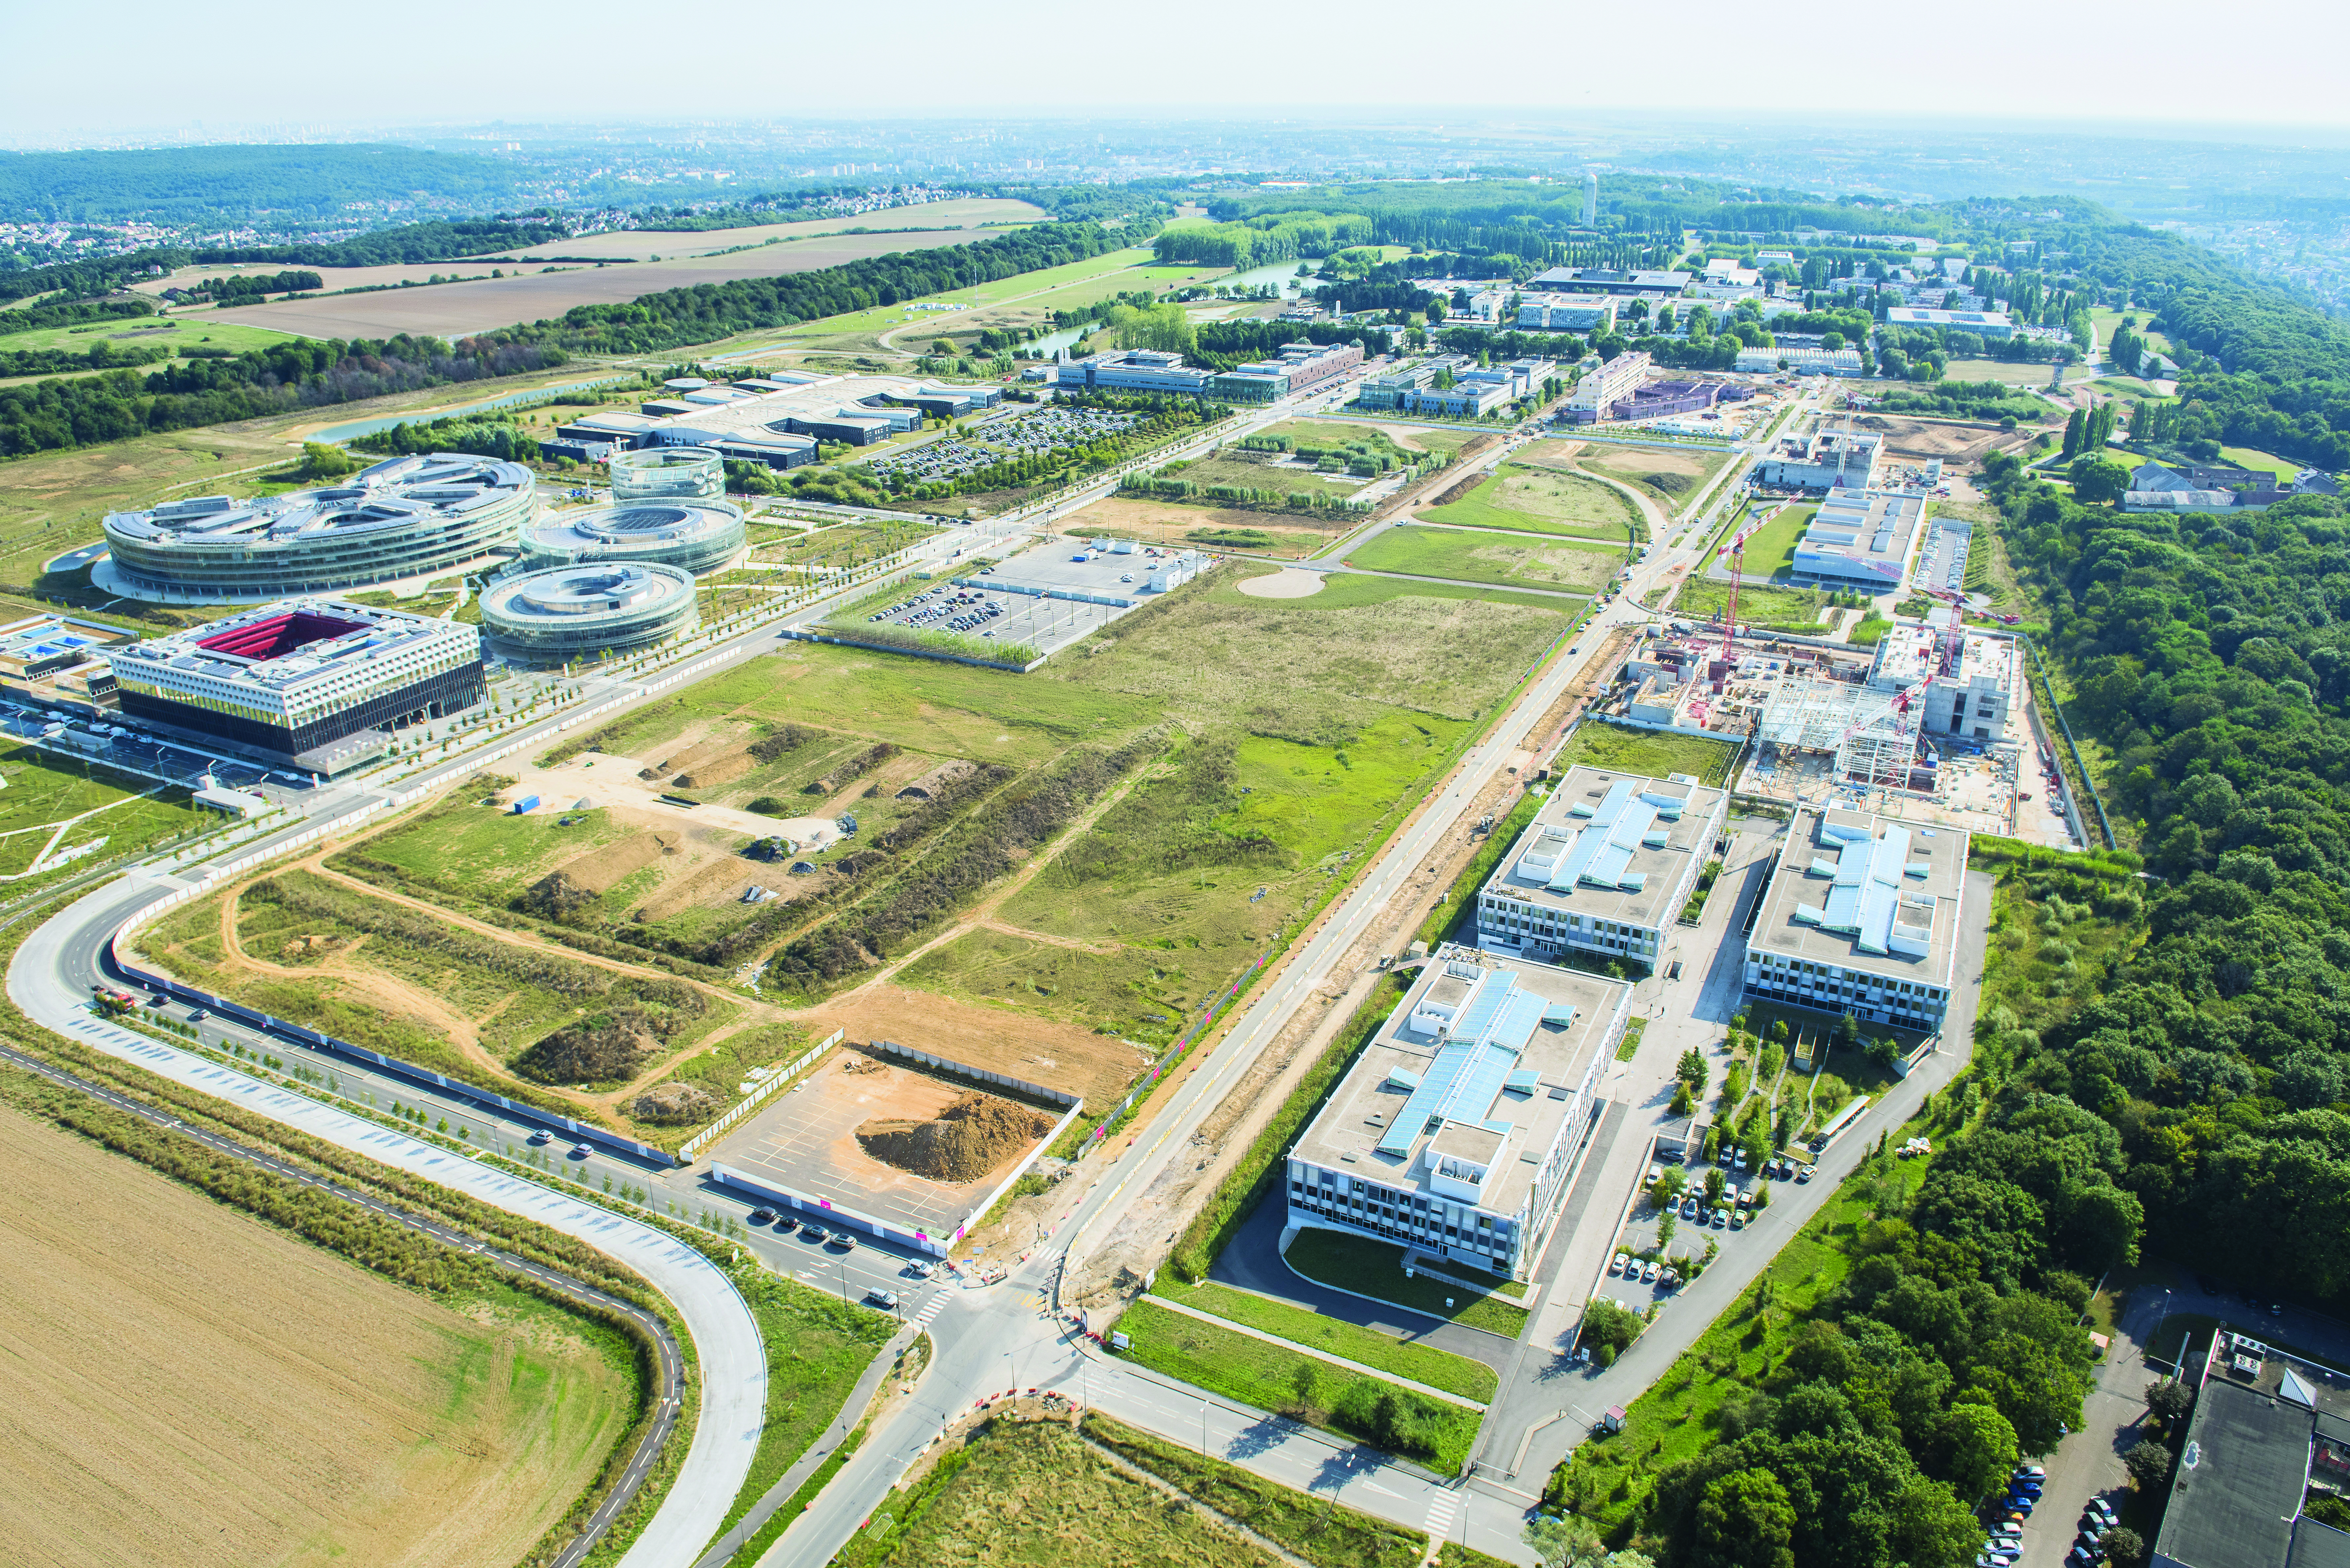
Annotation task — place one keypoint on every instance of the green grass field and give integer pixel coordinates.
(1335, 1337)
(1566, 567)
(2251, 457)
(44, 791)
(1772, 549)
(1376, 1269)
(1284, 1381)
(1792, 609)
(1258, 473)
(1648, 753)
(1673, 479)
(1538, 500)
(142, 332)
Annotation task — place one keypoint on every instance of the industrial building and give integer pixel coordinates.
(1825, 459)
(1652, 285)
(1454, 1132)
(1992, 326)
(1604, 868)
(1567, 313)
(1601, 389)
(588, 612)
(406, 517)
(1799, 361)
(317, 684)
(2270, 1431)
(696, 536)
(778, 419)
(1860, 539)
(1861, 916)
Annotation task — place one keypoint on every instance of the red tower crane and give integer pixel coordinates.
(1735, 552)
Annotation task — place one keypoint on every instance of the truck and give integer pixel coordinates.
(527, 804)
(111, 999)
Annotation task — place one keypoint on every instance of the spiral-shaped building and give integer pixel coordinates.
(669, 473)
(407, 517)
(582, 612)
(697, 536)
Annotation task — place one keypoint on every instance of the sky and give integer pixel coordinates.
(348, 68)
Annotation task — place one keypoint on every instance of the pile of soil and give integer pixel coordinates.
(674, 1104)
(1460, 490)
(962, 1143)
(557, 897)
(602, 1048)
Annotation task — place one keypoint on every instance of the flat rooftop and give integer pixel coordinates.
(1862, 533)
(1866, 892)
(288, 645)
(1479, 1062)
(1983, 657)
(1609, 846)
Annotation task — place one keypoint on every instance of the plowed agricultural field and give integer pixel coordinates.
(187, 1385)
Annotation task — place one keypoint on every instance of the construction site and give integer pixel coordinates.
(1933, 725)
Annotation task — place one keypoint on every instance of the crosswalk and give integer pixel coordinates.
(1444, 1511)
(931, 1309)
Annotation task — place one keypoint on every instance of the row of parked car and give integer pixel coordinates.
(957, 610)
(1644, 1270)
(2004, 1545)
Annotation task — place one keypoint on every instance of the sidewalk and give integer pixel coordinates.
(1361, 1368)
(852, 1411)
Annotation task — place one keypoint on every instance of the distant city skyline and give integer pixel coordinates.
(323, 76)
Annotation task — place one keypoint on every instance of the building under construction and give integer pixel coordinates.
(1889, 727)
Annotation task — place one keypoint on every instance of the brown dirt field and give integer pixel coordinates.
(1924, 439)
(1645, 461)
(717, 771)
(169, 1406)
(599, 871)
(1058, 1055)
(961, 1144)
(457, 309)
(1165, 523)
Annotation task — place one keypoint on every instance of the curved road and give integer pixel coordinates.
(670, 1368)
(51, 981)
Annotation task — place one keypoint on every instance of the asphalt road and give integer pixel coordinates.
(654, 1329)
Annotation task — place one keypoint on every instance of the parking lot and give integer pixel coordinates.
(1031, 433)
(135, 751)
(1712, 1204)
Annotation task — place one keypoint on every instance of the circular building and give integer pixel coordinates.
(668, 473)
(578, 612)
(698, 535)
(409, 517)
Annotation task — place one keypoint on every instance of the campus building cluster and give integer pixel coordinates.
(408, 517)
(1824, 459)
(1455, 1131)
(1453, 386)
(2218, 487)
(314, 683)
(1603, 388)
(1603, 869)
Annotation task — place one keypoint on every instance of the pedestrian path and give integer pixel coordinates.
(931, 1309)
(1443, 1511)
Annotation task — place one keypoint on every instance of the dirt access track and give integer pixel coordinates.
(1952, 440)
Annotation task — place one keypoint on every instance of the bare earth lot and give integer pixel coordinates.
(455, 309)
(187, 1385)
(1951, 441)
(1173, 524)
(1058, 1055)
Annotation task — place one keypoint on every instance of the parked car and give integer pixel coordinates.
(1648, 1273)
(1616, 1264)
(886, 1300)
(787, 1224)
(1721, 1218)
(762, 1216)
(815, 1233)
(844, 1240)
(1804, 1174)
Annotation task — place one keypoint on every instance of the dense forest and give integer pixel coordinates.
(183, 185)
(407, 243)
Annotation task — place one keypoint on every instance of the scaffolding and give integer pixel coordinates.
(1870, 732)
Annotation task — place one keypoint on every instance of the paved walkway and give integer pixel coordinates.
(1362, 1368)
(1252, 1261)
(852, 1411)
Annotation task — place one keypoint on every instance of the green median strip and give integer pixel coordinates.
(1334, 1336)
(1374, 1269)
(1292, 1383)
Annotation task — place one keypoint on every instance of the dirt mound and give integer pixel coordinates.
(936, 780)
(962, 1143)
(718, 770)
(1460, 491)
(602, 1048)
(556, 897)
(1670, 483)
(674, 1104)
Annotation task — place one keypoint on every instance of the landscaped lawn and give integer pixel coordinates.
(1772, 550)
(1335, 1337)
(1535, 499)
(1790, 609)
(1288, 1381)
(1374, 1269)
(1480, 557)
(1648, 753)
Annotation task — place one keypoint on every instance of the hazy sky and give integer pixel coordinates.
(142, 64)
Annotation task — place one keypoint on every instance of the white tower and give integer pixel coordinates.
(1590, 200)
